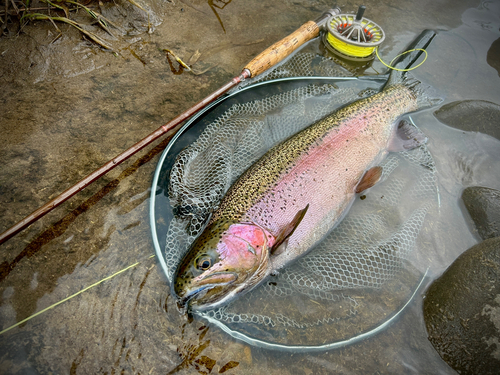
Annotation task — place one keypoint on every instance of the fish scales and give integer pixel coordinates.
(292, 197)
(382, 108)
(330, 155)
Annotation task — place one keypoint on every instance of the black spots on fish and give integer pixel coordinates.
(272, 283)
(265, 175)
(362, 197)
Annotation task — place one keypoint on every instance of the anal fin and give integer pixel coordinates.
(370, 178)
(282, 238)
(406, 137)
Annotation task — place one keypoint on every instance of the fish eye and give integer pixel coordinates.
(203, 262)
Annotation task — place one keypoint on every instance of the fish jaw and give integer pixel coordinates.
(217, 268)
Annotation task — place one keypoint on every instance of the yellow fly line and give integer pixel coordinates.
(71, 296)
(365, 51)
(349, 49)
(401, 54)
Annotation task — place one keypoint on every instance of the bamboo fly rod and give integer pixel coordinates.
(265, 60)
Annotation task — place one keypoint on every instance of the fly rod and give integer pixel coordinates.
(265, 60)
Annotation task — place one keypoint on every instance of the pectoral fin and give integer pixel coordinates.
(282, 238)
(406, 137)
(370, 178)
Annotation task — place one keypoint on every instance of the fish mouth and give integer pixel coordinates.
(183, 301)
(204, 286)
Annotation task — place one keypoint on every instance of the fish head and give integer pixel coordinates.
(221, 264)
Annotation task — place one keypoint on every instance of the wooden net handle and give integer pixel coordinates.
(279, 50)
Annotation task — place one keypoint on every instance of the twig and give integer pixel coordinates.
(19, 10)
(182, 64)
(58, 6)
(6, 15)
(204, 70)
(94, 37)
(98, 17)
(57, 37)
(15, 6)
(53, 23)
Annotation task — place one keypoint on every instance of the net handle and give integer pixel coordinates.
(289, 44)
(279, 50)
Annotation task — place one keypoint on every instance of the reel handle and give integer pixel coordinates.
(361, 11)
(280, 50)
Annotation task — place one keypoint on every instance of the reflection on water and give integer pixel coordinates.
(56, 131)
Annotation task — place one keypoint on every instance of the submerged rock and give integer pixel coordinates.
(462, 311)
(471, 115)
(483, 205)
(493, 56)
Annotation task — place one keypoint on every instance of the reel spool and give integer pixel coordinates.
(353, 37)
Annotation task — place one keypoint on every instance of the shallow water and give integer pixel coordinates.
(68, 107)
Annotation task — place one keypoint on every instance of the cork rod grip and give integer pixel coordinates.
(279, 50)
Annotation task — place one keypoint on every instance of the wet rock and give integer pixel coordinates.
(493, 57)
(462, 311)
(471, 115)
(483, 205)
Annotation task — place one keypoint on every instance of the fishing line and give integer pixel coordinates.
(72, 296)
(401, 54)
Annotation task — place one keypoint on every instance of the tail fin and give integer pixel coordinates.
(426, 95)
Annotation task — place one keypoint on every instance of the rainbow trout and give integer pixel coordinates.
(295, 194)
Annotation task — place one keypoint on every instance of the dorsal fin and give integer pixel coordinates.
(287, 231)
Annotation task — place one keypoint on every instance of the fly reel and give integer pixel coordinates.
(353, 37)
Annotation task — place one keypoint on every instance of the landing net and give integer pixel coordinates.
(354, 281)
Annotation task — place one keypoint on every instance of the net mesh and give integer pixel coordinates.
(345, 278)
